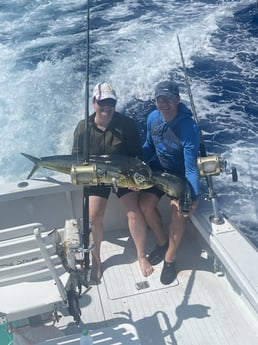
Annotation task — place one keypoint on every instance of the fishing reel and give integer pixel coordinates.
(213, 166)
(93, 174)
(132, 174)
(85, 174)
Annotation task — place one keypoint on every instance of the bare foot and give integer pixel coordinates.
(96, 271)
(145, 267)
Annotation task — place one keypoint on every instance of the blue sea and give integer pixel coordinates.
(133, 45)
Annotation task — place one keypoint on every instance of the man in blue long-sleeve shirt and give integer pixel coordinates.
(172, 145)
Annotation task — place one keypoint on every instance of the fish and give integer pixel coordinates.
(123, 171)
(172, 185)
(175, 187)
(117, 171)
(61, 163)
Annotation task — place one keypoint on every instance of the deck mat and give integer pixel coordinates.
(121, 272)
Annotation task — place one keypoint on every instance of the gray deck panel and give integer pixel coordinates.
(192, 313)
(202, 309)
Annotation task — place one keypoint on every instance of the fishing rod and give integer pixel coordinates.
(213, 161)
(202, 144)
(86, 151)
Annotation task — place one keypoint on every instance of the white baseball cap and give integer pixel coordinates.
(104, 91)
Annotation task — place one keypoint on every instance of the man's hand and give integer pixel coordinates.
(133, 188)
(193, 206)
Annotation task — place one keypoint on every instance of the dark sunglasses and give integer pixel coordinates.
(107, 102)
(164, 99)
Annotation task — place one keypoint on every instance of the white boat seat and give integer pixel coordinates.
(32, 277)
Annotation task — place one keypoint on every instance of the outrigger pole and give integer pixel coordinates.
(86, 148)
(216, 218)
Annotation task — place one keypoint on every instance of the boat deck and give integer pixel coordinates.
(200, 307)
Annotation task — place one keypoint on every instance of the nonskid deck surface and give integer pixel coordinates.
(199, 308)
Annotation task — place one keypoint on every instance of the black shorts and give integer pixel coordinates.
(155, 191)
(104, 191)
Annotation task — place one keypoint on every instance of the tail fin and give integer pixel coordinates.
(36, 162)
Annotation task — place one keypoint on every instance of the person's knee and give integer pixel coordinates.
(96, 220)
(135, 216)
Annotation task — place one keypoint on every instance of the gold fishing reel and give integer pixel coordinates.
(210, 165)
(84, 174)
(214, 165)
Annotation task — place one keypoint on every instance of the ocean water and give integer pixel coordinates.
(133, 45)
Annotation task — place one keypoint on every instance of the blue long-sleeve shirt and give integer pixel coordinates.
(174, 145)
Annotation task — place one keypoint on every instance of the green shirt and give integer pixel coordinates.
(121, 137)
